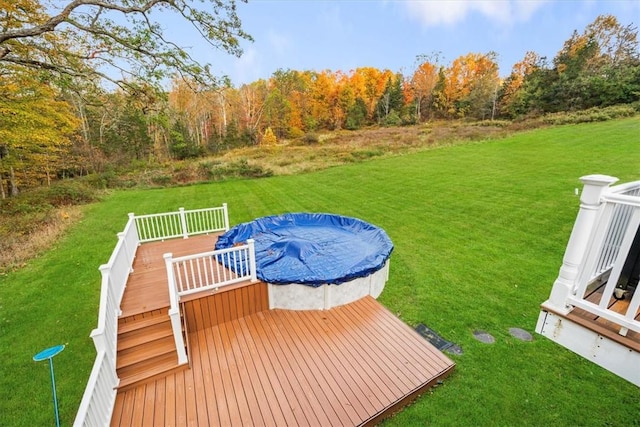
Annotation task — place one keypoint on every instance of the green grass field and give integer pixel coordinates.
(479, 232)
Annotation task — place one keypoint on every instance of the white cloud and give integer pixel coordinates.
(433, 13)
(279, 43)
(247, 68)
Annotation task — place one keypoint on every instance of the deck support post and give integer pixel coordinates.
(595, 186)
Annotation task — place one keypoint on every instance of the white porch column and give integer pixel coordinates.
(595, 186)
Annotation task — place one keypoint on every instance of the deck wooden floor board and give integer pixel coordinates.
(369, 381)
(170, 401)
(138, 395)
(326, 390)
(378, 365)
(357, 385)
(202, 369)
(196, 407)
(398, 331)
(373, 340)
(221, 406)
(363, 368)
(271, 414)
(268, 375)
(160, 401)
(236, 408)
(149, 412)
(242, 383)
(275, 347)
(316, 351)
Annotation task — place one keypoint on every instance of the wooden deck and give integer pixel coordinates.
(603, 326)
(147, 286)
(351, 365)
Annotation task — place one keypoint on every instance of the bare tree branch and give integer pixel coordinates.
(54, 21)
(86, 35)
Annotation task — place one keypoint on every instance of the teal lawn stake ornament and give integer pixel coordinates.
(48, 354)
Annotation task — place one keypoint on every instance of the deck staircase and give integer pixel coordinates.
(146, 348)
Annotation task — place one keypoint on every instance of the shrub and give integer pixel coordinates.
(295, 132)
(311, 138)
(162, 180)
(104, 180)
(590, 115)
(70, 192)
(367, 154)
(392, 119)
(242, 168)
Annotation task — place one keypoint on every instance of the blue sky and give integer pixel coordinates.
(344, 35)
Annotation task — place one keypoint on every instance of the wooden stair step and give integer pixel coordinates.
(139, 353)
(141, 336)
(149, 370)
(132, 325)
(149, 364)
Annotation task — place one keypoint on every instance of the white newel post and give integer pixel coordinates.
(127, 252)
(132, 218)
(226, 216)
(252, 259)
(174, 311)
(595, 186)
(183, 223)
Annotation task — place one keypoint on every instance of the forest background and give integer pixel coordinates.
(68, 127)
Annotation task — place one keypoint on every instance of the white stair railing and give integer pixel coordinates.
(598, 248)
(621, 220)
(202, 272)
(99, 397)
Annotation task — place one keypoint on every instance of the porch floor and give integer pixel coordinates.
(351, 365)
(603, 326)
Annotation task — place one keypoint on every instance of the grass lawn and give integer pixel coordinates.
(479, 232)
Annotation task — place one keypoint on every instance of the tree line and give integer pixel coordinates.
(58, 120)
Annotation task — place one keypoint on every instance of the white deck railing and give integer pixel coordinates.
(602, 237)
(99, 397)
(203, 272)
(100, 394)
(182, 223)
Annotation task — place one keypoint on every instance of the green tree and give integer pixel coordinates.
(182, 146)
(356, 115)
(599, 67)
(391, 101)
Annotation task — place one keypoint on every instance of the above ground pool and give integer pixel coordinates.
(314, 250)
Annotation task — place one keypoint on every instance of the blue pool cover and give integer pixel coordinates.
(312, 248)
